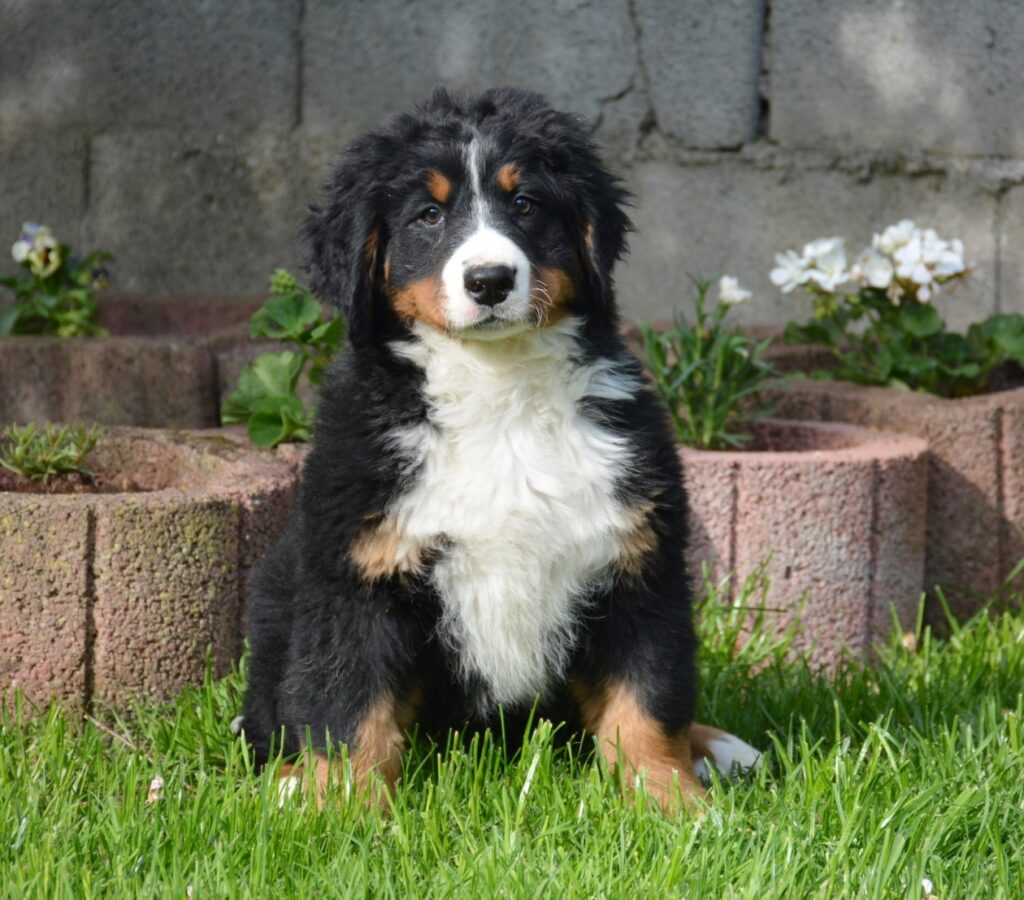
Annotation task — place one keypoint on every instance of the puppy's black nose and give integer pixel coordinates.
(489, 285)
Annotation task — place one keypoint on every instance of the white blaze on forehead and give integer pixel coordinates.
(473, 167)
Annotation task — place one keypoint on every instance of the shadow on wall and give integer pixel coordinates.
(871, 88)
(942, 77)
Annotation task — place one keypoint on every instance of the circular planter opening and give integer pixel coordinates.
(111, 597)
(834, 512)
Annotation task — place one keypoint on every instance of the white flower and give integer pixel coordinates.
(20, 250)
(790, 271)
(44, 257)
(912, 265)
(30, 233)
(822, 247)
(826, 259)
(872, 268)
(895, 236)
(952, 261)
(944, 258)
(730, 293)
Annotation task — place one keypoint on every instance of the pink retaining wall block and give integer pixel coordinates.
(117, 595)
(976, 475)
(837, 512)
(158, 367)
(45, 581)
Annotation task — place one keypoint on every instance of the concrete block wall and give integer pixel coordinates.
(188, 137)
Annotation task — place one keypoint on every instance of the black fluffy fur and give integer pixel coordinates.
(325, 642)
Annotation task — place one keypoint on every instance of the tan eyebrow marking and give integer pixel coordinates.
(508, 177)
(439, 185)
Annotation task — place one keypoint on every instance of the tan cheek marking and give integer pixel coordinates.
(440, 186)
(377, 552)
(640, 541)
(614, 714)
(508, 177)
(552, 291)
(421, 302)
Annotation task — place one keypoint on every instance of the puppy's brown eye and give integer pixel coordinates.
(432, 215)
(523, 205)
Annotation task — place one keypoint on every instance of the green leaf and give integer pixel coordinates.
(273, 374)
(328, 334)
(9, 319)
(278, 419)
(920, 319)
(266, 429)
(269, 375)
(285, 318)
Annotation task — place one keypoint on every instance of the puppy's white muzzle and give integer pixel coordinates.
(486, 247)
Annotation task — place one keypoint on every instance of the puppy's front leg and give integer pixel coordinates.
(352, 680)
(374, 757)
(616, 714)
(636, 680)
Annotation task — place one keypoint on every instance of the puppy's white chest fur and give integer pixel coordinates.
(520, 487)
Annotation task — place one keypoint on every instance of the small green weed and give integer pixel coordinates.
(267, 398)
(54, 294)
(708, 373)
(43, 453)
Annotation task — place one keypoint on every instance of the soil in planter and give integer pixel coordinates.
(66, 484)
(767, 436)
(1007, 376)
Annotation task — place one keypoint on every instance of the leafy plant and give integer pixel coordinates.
(54, 294)
(708, 374)
(887, 332)
(44, 453)
(267, 397)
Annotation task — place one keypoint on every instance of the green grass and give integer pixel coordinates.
(875, 781)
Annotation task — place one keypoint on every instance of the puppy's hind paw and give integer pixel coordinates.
(729, 755)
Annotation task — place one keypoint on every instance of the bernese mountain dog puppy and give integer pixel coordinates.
(492, 514)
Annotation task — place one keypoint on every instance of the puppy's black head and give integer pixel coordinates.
(483, 216)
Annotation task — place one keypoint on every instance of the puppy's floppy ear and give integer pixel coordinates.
(345, 241)
(604, 223)
(604, 227)
(600, 197)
